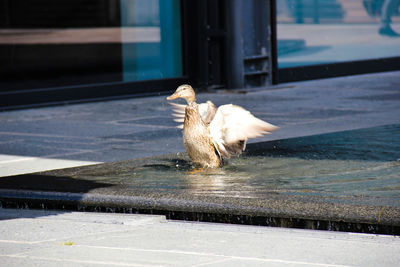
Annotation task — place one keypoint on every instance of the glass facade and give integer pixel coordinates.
(46, 43)
(315, 32)
(72, 50)
(151, 39)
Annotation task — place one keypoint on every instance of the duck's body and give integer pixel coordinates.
(196, 139)
(211, 134)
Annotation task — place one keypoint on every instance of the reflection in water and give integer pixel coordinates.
(340, 165)
(248, 177)
(254, 176)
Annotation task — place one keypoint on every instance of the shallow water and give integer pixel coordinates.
(253, 176)
(360, 163)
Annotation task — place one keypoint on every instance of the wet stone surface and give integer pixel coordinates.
(351, 176)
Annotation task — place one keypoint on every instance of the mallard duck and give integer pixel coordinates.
(212, 134)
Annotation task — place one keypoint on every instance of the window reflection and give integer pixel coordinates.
(313, 32)
(47, 43)
(151, 39)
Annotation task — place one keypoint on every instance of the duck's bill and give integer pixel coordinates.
(173, 96)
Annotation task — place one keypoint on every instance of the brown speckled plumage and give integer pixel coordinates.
(196, 139)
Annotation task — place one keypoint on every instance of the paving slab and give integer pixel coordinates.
(347, 181)
(60, 238)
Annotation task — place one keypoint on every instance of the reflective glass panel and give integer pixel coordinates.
(313, 32)
(47, 43)
(151, 40)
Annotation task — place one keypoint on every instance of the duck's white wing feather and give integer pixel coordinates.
(207, 112)
(232, 126)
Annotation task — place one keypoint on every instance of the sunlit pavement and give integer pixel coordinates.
(38, 238)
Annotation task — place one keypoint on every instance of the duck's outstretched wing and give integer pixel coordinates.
(232, 126)
(179, 113)
(207, 112)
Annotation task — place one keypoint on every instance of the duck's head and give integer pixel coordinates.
(184, 91)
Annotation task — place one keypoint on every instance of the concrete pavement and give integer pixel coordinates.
(40, 238)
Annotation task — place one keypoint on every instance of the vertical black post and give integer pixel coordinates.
(249, 43)
(274, 42)
(234, 65)
(229, 43)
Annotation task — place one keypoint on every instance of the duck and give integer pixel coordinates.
(212, 135)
